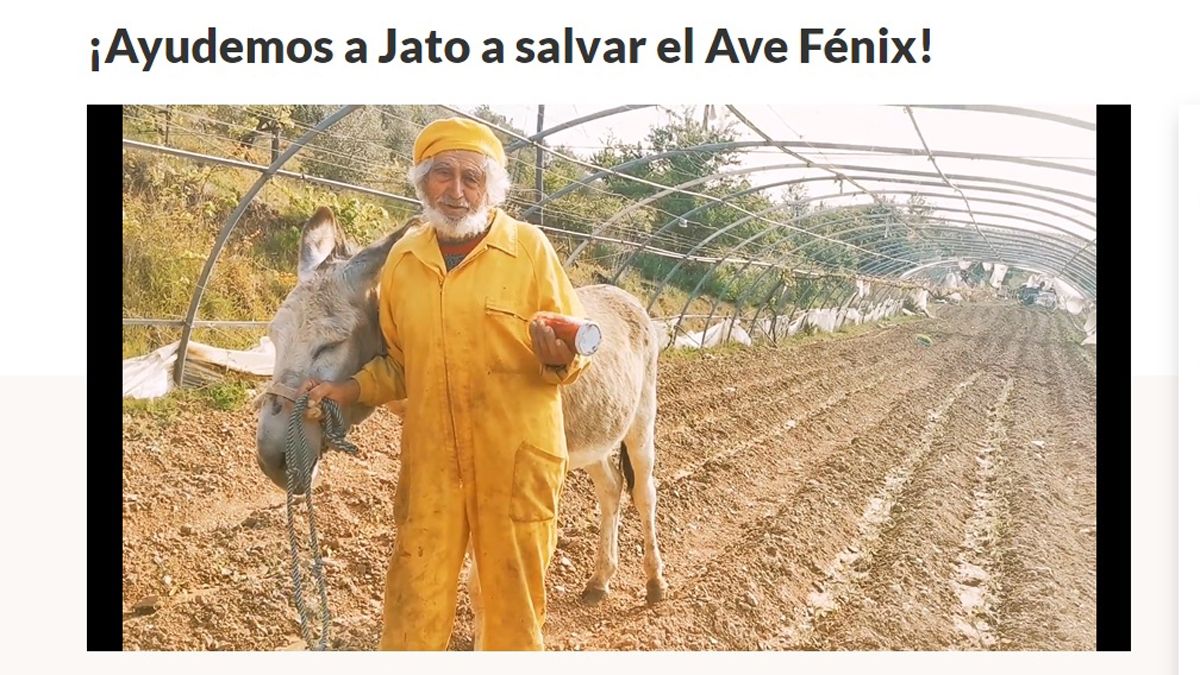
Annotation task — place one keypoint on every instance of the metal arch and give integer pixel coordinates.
(814, 179)
(703, 207)
(1034, 234)
(826, 197)
(925, 267)
(1028, 234)
(604, 171)
(538, 137)
(232, 221)
(679, 263)
(238, 164)
(765, 268)
(710, 204)
(1012, 233)
(804, 246)
(1047, 250)
(1020, 234)
(971, 245)
(1024, 205)
(714, 266)
(832, 239)
(1023, 256)
(707, 273)
(949, 183)
(973, 178)
(1077, 266)
(748, 290)
(778, 144)
(1081, 251)
(1014, 110)
(932, 207)
(603, 227)
(737, 145)
(759, 188)
(1027, 257)
(1080, 268)
(538, 206)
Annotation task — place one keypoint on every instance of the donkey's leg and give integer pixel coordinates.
(606, 476)
(476, 596)
(640, 443)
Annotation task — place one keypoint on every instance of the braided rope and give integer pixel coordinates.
(301, 460)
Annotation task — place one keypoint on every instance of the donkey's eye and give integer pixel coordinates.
(326, 347)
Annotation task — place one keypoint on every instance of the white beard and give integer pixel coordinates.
(448, 229)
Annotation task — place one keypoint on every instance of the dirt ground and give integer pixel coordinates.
(864, 492)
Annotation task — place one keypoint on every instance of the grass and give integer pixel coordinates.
(231, 393)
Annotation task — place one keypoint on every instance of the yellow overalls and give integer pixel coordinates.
(483, 451)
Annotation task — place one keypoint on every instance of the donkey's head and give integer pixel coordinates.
(326, 329)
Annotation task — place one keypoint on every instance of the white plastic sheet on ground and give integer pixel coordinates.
(1089, 327)
(151, 376)
(862, 289)
(918, 299)
(999, 270)
(1068, 298)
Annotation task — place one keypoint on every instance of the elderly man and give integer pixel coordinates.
(484, 451)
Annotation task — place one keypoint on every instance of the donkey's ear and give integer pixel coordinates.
(363, 269)
(321, 238)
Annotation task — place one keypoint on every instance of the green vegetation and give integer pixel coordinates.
(174, 208)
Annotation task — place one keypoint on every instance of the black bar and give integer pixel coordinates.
(104, 475)
(1113, 439)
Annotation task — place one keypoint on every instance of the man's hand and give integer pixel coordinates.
(548, 348)
(342, 393)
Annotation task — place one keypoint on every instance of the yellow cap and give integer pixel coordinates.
(457, 133)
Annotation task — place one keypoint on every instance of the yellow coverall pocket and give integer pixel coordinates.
(507, 344)
(537, 482)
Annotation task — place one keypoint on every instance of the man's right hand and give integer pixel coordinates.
(343, 393)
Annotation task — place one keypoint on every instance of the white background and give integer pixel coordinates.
(1015, 53)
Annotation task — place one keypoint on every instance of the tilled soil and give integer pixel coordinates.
(858, 492)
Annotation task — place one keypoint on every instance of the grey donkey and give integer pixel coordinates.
(328, 327)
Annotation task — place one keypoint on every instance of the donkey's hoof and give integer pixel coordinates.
(593, 595)
(656, 591)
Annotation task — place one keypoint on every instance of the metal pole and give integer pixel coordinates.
(238, 164)
(232, 221)
(540, 164)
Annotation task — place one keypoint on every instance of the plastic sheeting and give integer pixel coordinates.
(1089, 327)
(950, 280)
(663, 329)
(1069, 299)
(862, 289)
(918, 301)
(152, 375)
(713, 336)
(999, 271)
